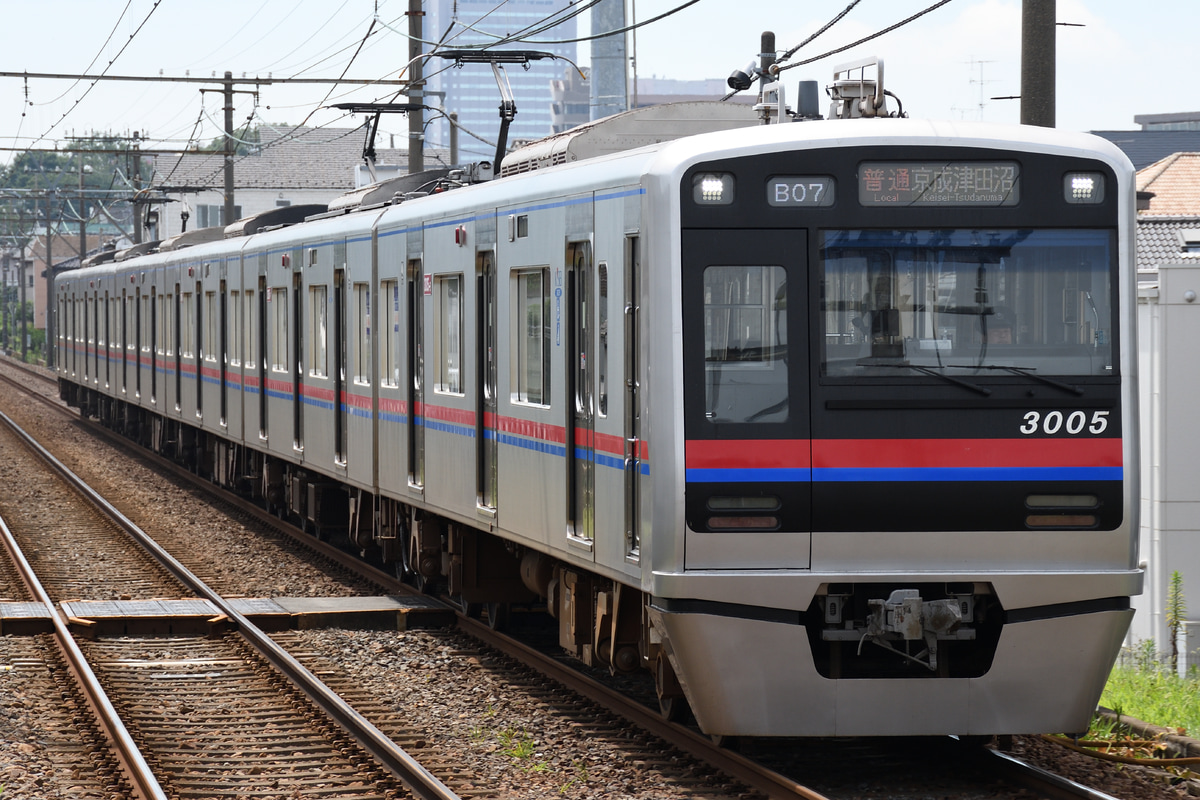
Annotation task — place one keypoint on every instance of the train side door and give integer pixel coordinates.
(632, 424)
(416, 373)
(223, 348)
(297, 364)
(485, 420)
(340, 407)
(580, 433)
(198, 346)
(178, 336)
(263, 351)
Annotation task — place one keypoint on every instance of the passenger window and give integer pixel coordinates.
(530, 339)
(212, 328)
(318, 305)
(362, 336)
(235, 328)
(389, 327)
(249, 329)
(278, 298)
(447, 325)
(745, 344)
(187, 326)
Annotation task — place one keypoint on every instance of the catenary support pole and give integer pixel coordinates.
(1038, 18)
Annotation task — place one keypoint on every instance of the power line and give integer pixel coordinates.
(87, 91)
(616, 32)
(824, 28)
(92, 63)
(875, 35)
(257, 80)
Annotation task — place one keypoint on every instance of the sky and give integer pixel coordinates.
(1117, 58)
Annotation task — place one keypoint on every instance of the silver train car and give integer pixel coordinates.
(830, 425)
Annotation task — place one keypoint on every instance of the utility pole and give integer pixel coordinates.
(230, 148)
(4, 302)
(1038, 18)
(416, 88)
(21, 312)
(227, 84)
(82, 218)
(49, 272)
(137, 184)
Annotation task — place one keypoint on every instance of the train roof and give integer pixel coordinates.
(598, 156)
(629, 130)
(891, 131)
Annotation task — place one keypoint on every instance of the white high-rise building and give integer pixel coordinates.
(471, 91)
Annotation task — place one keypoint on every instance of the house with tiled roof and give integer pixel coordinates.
(1174, 183)
(286, 166)
(1168, 211)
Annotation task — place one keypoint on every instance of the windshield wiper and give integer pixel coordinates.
(974, 387)
(1028, 372)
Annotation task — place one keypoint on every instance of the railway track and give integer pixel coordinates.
(259, 682)
(664, 737)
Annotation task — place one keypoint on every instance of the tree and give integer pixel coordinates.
(35, 184)
(1176, 615)
(247, 141)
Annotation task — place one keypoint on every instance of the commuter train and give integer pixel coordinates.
(829, 424)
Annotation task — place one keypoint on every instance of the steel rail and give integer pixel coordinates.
(137, 771)
(733, 764)
(1016, 771)
(390, 756)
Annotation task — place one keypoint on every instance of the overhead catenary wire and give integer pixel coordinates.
(550, 21)
(618, 31)
(95, 58)
(328, 53)
(789, 53)
(103, 72)
(346, 69)
(246, 24)
(292, 135)
(865, 39)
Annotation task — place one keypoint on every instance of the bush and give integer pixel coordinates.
(1146, 686)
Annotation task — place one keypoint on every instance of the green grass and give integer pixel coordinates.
(1143, 685)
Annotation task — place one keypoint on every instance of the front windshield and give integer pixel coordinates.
(966, 301)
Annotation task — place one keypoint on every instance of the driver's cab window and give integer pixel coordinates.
(745, 344)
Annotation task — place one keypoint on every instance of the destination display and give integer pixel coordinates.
(954, 183)
(800, 190)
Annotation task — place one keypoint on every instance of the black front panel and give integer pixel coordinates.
(959, 352)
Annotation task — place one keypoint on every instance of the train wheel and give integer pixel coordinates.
(673, 709)
(733, 743)
(406, 566)
(671, 702)
(470, 610)
(498, 615)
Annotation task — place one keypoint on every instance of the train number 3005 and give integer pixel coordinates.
(1074, 423)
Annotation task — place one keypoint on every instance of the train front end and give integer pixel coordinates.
(896, 493)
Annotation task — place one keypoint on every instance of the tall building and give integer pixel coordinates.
(609, 75)
(471, 91)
